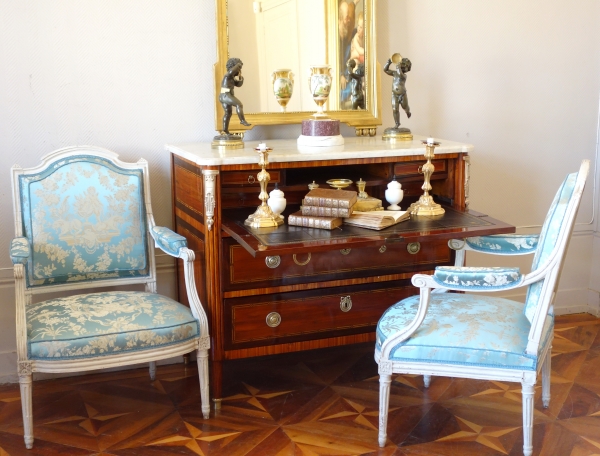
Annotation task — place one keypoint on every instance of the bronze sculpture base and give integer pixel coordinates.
(229, 141)
(397, 134)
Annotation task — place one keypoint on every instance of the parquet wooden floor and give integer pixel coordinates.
(314, 403)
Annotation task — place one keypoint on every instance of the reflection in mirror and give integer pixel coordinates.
(293, 35)
(277, 34)
(351, 48)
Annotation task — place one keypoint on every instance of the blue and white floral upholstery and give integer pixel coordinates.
(84, 221)
(101, 324)
(467, 278)
(477, 330)
(479, 336)
(504, 244)
(549, 237)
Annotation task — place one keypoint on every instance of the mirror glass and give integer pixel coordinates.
(294, 35)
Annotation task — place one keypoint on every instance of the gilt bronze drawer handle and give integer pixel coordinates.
(251, 179)
(345, 303)
(382, 249)
(273, 319)
(345, 251)
(273, 261)
(413, 247)
(304, 263)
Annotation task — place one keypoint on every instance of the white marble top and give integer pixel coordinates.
(286, 150)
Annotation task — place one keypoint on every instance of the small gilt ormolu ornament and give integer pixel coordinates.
(426, 205)
(264, 216)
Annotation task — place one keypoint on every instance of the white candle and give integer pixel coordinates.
(430, 141)
(262, 146)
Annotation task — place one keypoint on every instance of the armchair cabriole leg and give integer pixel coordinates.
(152, 370)
(528, 393)
(427, 380)
(202, 360)
(384, 401)
(546, 380)
(25, 385)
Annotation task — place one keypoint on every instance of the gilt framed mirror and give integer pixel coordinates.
(269, 35)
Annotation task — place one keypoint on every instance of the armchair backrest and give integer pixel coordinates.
(85, 216)
(553, 242)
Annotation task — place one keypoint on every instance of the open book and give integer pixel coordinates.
(376, 220)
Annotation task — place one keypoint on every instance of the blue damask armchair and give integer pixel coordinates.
(480, 336)
(83, 221)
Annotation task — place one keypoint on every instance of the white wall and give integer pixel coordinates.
(519, 80)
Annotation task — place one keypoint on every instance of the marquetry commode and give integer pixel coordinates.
(286, 289)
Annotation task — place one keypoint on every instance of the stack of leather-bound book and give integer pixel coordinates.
(324, 208)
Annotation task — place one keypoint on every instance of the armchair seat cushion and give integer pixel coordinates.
(463, 329)
(99, 324)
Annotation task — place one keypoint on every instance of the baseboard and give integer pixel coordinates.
(584, 308)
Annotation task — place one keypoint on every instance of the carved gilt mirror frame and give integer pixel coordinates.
(364, 121)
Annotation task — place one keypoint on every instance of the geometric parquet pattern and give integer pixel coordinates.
(318, 403)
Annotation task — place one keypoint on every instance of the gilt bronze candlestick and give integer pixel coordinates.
(426, 205)
(263, 217)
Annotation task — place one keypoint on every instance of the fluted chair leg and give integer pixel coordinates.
(384, 402)
(546, 380)
(202, 360)
(427, 380)
(152, 370)
(25, 384)
(527, 391)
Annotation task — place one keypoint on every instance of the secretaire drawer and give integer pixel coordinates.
(247, 177)
(408, 169)
(296, 316)
(243, 271)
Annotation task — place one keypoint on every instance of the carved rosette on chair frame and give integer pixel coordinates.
(479, 336)
(83, 220)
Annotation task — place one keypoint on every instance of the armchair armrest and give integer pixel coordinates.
(167, 240)
(504, 244)
(20, 251)
(477, 278)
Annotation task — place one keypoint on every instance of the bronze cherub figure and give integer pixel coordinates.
(399, 96)
(357, 95)
(233, 78)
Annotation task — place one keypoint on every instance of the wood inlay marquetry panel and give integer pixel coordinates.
(189, 187)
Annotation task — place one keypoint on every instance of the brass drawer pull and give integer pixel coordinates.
(273, 319)
(273, 261)
(345, 251)
(382, 249)
(413, 248)
(301, 263)
(345, 303)
(251, 179)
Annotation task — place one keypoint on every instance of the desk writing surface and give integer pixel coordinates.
(293, 239)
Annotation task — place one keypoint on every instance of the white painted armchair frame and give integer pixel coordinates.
(549, 271)
(26, 366)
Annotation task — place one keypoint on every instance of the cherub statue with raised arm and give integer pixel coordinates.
(399, 96)
(233, 78)
(357, 95)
